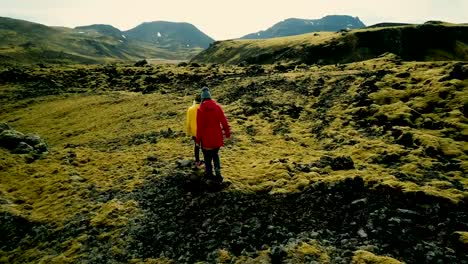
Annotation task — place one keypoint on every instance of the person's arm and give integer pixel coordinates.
(187, 123)
(224, 122)
(199, 127)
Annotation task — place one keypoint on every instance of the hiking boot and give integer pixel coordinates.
(225, 184)
(218, 176)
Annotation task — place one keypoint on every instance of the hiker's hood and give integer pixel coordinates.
(208, 105)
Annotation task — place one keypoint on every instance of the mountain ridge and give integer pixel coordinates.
(297, 26)
(156, 32)
(424, 42)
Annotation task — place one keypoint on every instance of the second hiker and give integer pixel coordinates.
(191, 127)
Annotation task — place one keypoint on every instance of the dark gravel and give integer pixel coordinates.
(414, 228)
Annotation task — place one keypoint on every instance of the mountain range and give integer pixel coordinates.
(23, 41)
(27, 42)
(296, 26)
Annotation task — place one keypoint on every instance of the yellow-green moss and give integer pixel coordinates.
(311, 250)
(463, 237)
(365, 257)
(262, 258)
(114, 213)
(224, 256)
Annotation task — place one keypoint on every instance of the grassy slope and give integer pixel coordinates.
(91, 136)
(413, 42)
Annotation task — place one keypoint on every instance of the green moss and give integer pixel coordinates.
(304, 252)
(365, 257)
(114, 213)
(463, 237)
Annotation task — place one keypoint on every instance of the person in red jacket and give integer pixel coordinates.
(211, 122)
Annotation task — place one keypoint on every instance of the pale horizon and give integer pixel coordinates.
(231, 19)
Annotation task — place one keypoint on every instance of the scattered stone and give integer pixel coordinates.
(362, 233)
(360, 202)
(407, 212)
(141, 63)
(184, 163)
(75, 176)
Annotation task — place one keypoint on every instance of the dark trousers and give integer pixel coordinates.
(211, 155)
(196, 150)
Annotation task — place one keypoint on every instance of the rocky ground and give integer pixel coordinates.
(231, 226)
(360, 163)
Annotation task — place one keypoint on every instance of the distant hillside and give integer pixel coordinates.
(107, 30)
(422, 42)
(296, 26)
(26, 42)
(389, 24)
(170, 35)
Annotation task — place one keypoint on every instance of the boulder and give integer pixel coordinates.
(141, 63)
(459, 71)
(20, 143)
(406, 139)
(10, 139)
(33, 140)
(23, 148)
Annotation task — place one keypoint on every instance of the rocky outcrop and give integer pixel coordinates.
(20, 143)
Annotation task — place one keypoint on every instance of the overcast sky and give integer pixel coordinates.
(228, 19)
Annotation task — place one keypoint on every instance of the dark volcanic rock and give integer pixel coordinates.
(12, 230)
(141, 63)
(336, 163)
(345, 216)
(460, 71)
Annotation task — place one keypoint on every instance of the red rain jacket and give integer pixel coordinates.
(211, 122)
